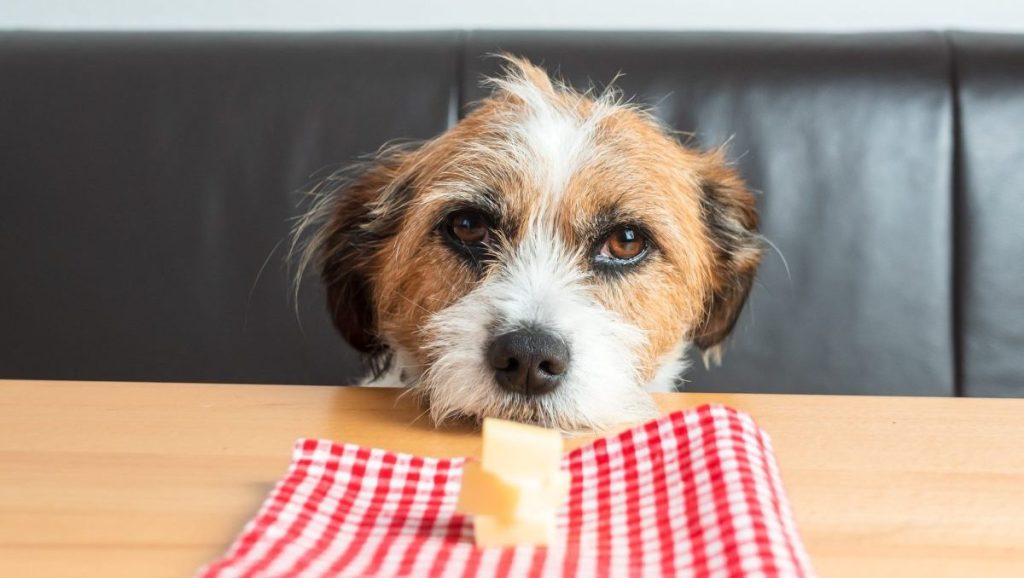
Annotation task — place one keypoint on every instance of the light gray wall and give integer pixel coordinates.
(813, 15)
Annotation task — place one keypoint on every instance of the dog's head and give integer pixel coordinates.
(546, 259)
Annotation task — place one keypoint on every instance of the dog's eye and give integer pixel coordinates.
(470, 227)
(624, 244)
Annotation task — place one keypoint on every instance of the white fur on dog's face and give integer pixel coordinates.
(539, 286)
(554, 172)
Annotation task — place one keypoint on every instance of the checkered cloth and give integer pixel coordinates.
(695, 493)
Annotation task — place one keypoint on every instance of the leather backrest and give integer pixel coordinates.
(148, 184)
(148, 179)
(989, 74)
(848, 140)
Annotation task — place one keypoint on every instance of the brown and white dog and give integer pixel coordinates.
(549, 259)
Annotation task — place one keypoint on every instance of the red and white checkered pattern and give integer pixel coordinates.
(695, 493)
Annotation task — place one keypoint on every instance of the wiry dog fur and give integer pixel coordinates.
(555, 171)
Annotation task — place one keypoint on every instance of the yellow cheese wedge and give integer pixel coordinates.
(488, 494)
(491, 532)
(517, 487)
(520, 452)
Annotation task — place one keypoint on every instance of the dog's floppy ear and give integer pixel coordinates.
(356, 218)
(731, 218)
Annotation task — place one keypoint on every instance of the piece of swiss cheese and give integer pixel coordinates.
(517, 487)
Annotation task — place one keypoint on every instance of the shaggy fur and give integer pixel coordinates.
(555, 172)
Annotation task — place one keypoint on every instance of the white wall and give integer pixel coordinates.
(814, 15)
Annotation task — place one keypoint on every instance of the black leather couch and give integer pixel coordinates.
(148, 180)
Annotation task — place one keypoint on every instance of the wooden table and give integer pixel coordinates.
(151, 480)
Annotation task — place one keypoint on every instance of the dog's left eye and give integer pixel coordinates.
(470, 227)
(624, 244)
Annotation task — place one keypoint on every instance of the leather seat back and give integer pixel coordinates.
(848, 141)
(149, 182)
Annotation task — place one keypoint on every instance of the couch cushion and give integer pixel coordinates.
(849, 137)
(989, 72)
(147, 180)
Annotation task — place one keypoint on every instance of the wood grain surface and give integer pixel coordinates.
(155, 479)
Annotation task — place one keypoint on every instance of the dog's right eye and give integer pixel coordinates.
(469, 227)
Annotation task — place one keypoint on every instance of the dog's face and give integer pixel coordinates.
(545, 260)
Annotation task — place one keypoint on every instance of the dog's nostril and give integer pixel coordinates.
(552, 367)
(528, 361)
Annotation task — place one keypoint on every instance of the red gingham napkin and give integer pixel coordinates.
(695, 493)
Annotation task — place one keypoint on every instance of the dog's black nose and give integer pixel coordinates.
(528, 361)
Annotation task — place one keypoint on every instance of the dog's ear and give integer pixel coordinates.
(359, 217)
(730, 216)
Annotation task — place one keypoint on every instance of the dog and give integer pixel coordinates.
(550, 259)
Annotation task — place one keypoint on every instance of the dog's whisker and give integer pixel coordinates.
(778, 251)
(411, 302)
(252, 289)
